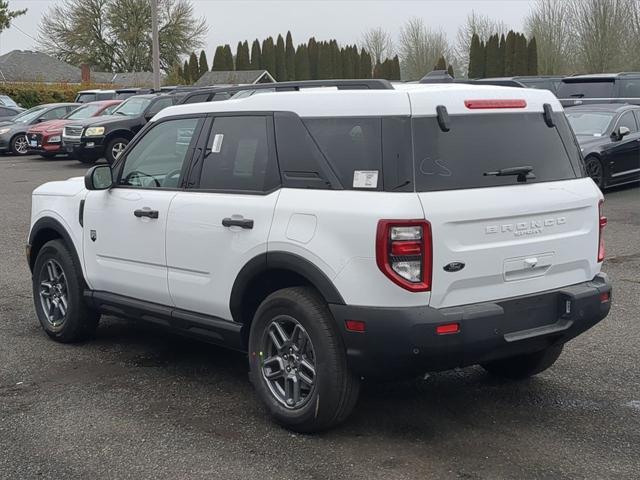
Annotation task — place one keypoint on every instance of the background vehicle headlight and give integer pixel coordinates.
(4, 130)
(54, 139)
(94, 131)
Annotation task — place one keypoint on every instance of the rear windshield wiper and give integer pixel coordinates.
(524, 173)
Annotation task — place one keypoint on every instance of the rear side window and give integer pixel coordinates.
(351, 145)
(481, 143)
(239, 155)
(603, 89)
(630, 88)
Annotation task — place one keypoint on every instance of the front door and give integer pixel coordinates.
(625, 154)
(125, 226)
(220, 223)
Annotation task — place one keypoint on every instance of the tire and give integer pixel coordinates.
(334, 390)
(19, 145)
(524, 366)
(77, 322)
(595, 169)
(118, 144)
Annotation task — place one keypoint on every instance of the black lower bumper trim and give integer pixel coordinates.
(401, 341)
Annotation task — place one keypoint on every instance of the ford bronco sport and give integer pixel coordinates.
(336, 235)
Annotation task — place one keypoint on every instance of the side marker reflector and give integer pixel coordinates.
(604, 297)
(355, 326)
(448, 328)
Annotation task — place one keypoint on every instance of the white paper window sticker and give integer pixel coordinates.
(217, 143)
(365, 179)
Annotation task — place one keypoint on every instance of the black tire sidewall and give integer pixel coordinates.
(327, 382)
(75, 315)
(592, 158)
(110, 144)
(13, 145)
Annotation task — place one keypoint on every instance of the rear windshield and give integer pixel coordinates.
(481, 143)
(586, 89)
(86, 97)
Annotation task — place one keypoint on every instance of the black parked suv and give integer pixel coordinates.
(546, 82)
(108, 136)
(600, 88)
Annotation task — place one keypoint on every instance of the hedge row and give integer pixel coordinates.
(31, 94)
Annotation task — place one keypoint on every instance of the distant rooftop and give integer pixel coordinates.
(239, 77)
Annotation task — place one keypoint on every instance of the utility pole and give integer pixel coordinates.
(155, 45)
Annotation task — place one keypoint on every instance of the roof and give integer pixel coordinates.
(404, 100)
(32, 66)
(599, 76)
(603, 107)
(238, 77)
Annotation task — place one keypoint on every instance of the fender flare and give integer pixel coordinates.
(281, 261)
(48, 223)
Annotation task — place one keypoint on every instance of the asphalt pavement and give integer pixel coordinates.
(137, 404)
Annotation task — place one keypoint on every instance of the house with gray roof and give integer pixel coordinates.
(32, 66)
(238, 77)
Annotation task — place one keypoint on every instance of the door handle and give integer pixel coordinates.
(238, 222)
(145, 212)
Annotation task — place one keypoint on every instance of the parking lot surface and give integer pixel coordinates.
(136, 403)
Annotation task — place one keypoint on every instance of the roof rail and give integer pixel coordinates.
(364, 84)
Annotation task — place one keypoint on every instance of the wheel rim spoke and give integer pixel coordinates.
(53, 293)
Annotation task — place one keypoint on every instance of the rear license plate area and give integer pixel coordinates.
(532, 312)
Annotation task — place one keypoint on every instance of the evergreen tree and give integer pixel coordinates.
(501, 55)
(356, 62)
(441, 64)
(281, 65)
(365, 64)
(336, 60)
(242, 56)
(269, 56)
(185, 73)
(509, 54)
(325, 64)
(312, 53)
(203, 64)
(256, 57)
(194, 68)
(521, 55)
(492, 66)
(348, 70)
(449, 71)
(394, 73)
(532, 57)
(476, 58)
(290, 57)
(218, 60)
(302, 63)
(228, 57)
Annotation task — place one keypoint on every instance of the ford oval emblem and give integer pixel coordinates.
(454, 267)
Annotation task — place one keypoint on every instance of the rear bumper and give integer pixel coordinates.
(403, 341)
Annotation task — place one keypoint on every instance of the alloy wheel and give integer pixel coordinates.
(117, 149)
(594, 170)
(21, 144)
(54, 293)
(288, 362)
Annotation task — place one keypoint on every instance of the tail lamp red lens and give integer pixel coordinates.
(602, 222)
(404, 253)
(604, 297)
(448, 328)
(355, 326)
(496, 103)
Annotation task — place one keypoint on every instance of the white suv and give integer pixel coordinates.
(335, 235)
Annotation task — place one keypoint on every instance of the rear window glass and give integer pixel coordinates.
(350, 145)
(481, 143)
(586, 90)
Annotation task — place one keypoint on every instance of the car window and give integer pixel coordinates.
(589, 122)
(156, 160)
(109, 110)
(133, 106)
(158, 105)
(85, 97)
(239, 157)
(630, 88)
(105, 96)
(8, 101)
(627, 120)
(586, 89)
(6, 112)
(201, 97)
(54, 113)
(89, 110)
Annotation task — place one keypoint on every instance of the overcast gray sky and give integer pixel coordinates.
(345, 20)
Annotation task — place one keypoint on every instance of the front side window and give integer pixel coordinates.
(239, 157)
(630, 88)
(160, 104)
(156, 161)
(627, 120)
(54, 114)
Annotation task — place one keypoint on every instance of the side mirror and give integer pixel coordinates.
(98, 178)
(622, 132)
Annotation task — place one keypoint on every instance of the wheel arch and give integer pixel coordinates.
(45, 230)
(268, 272)
(122, 133)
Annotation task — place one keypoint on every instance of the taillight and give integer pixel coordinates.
(404, 253)
(602, 222)
(489, 104)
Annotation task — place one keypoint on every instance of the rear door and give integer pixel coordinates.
(223, 219)
(511, 238)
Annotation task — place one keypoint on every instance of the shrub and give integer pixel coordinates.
(29, 95)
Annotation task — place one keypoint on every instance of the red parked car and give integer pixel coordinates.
(45, 138)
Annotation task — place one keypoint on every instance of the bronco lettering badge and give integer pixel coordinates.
(529, 227)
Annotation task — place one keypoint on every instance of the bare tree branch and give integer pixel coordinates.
(378, 43)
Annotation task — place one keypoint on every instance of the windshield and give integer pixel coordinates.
(84, 112)
(590, 123)
(132, 107)
(586, 89)
(482, 143)
(26, 117)
(7, 101)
